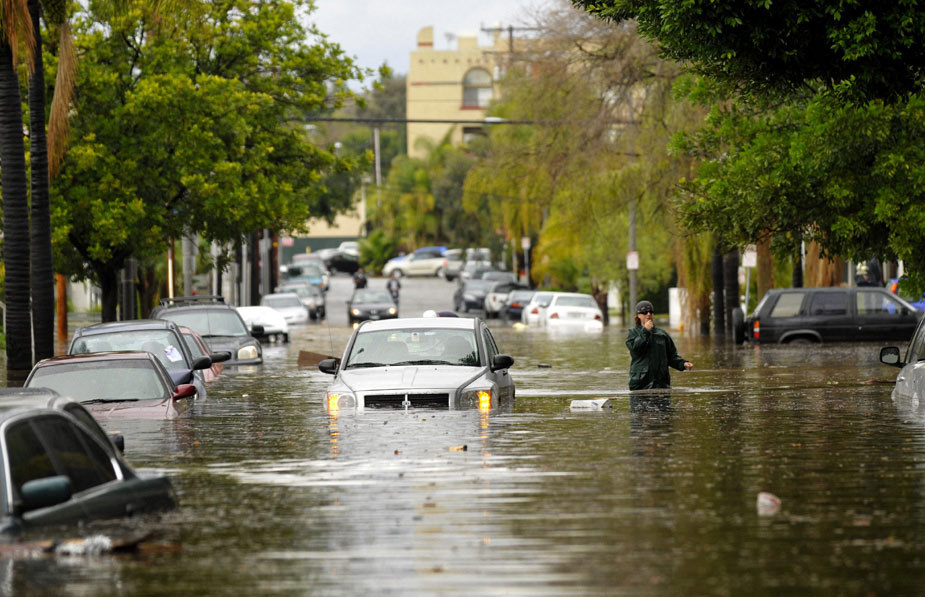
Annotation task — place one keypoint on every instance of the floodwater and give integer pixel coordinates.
(655, 495)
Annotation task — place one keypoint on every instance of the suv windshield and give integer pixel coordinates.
(414, 347)
(208, 322)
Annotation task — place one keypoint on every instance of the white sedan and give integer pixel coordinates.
(288, 304)
(573, 311)
(437, 362)
(535, 310)
(273, 322)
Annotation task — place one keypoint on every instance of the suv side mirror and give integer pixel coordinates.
(889, 355)
(501, 361)
(328, 366)
(45, 492)
(202, 363)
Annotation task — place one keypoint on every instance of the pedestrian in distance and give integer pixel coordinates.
(652, 351)
(359, 279)
(394, 286)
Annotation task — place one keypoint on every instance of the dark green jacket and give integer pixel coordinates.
(652, 353)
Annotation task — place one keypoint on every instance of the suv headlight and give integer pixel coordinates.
(246, 353)
(338, 400)
(477, 398)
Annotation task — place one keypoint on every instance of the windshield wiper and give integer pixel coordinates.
(424, 362)
(363, 365)
(104, 400)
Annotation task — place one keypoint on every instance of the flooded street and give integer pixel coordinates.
(653, 495)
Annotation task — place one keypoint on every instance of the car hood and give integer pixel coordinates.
(409, 377)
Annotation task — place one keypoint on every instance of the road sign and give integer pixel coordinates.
(750, 259)
(632, 260)
(525, 243)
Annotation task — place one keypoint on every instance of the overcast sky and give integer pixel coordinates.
(377, 31)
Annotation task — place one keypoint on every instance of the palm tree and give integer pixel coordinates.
(16, 25)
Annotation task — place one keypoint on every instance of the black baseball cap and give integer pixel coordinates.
(644, 307)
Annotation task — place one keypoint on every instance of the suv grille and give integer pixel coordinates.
(416, 400)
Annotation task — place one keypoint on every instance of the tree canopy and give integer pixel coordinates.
(868, 48)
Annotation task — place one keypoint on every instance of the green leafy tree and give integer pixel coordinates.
(193, 124)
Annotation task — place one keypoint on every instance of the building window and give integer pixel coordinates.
(471, 132)
(477, 88)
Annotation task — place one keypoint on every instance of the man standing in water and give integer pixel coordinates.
(652, 351)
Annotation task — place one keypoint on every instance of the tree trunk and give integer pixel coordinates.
(108, 278)
(43, 275)
(15, 223)
(731, 286)
(719, 310)
(765, 270)
(797, 278)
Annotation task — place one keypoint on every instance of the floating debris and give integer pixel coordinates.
(597, 404)
(768, 504)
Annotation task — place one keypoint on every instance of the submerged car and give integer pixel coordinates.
(368, 303)
(910, 382)
(288, 304)
(265, 323)
(516, 301)
(441, 362)
(159, 337)
(535, 309)
(130, 384)
(471, 295)
(198, 348)
(311, 296)
(217, 322)
(839, 314)
(57, 468)
(573, 311)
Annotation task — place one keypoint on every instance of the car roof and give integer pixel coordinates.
(115, 355)
(455, 323)
(126, 326)
(276, 294)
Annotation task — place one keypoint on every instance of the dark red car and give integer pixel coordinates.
(115, 385)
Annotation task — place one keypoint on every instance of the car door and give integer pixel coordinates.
(881, 317)
(829, 314)
(784, 314)
(502, 377)
(910, 383)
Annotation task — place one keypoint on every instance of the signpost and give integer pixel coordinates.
(525, 245)
(749, 260)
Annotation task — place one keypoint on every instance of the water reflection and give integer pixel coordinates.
(655, 495)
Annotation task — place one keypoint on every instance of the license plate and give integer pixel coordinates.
(575, 315)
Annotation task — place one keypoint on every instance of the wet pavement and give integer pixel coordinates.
(653, 495)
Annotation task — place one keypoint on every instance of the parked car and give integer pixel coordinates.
(349, 246)
(807, 315)
(471, 295)
(496, 298)
(442, 362)
(393, 264)
(311, 296)
(115, 385)
(159, 337)
(337, 260)
(289, 306)
(535, 310)
(574, 311)
(218, 323)
(198, 348)
(368, 303)
(474, 270)
(309, 273)
(910, 382)
(452, 264)
(57, 469)
(515, 303)
(265, 323)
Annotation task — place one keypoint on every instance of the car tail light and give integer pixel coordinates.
(515, 305)
(554, 316)
(536, 311)
(597, 317)
(755, 329)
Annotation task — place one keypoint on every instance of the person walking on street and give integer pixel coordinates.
(652, 351)
(394, 285)
(359, 279)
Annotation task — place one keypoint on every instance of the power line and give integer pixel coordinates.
(489, 121)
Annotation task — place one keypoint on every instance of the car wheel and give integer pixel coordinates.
(439, 272)
(399, 273)
(800, 341)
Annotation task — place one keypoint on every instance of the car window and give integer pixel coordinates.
(371, 296)
(787, 305)
(114, 380)
(281, 301)
(877, 303)
(829, 303)
(490, 347)
(413, 346)
(576, 301)
(80, 458)
(209, 322)
(81, 414)
(27, 458)
(163, 344)
(193, 346)
(916, 350)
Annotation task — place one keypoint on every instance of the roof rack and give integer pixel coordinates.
(190, 300)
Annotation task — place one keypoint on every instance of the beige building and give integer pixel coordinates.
(454, 85)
